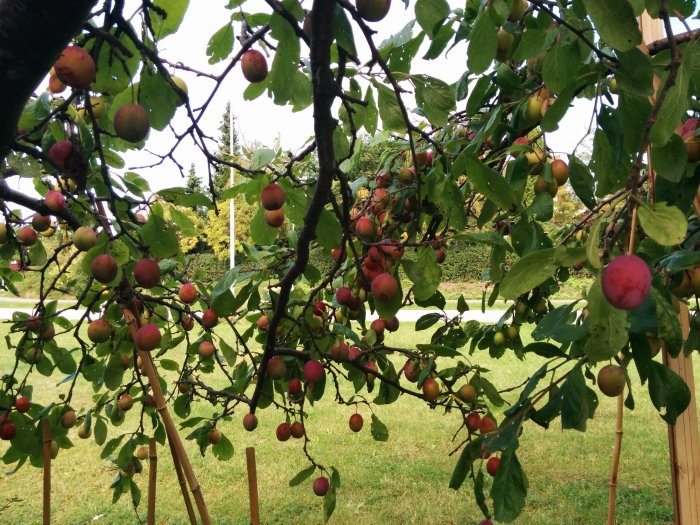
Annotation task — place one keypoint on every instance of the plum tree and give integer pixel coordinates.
(406, 161)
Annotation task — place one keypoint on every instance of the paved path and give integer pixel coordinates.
(407, 316)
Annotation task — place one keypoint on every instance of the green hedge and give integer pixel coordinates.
(463, 263)
(206, 266)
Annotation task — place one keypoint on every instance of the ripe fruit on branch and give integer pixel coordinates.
(55, 84)
(321, 484)
(147, 273)
(276, 368)
(384, 287)
(215, 436)
(373, 10)
(263, 322)
(294, 387)
(59, 152)
(148, 337)
(340, 351)
(104, 268)
(142, 453)
(187, 293)
(182, 85)
(75, 67)
(274, 218)
(55, 201)
(84, 238)
(187, 322)
(68, 419)
(250, 422)
(132, 123)
(504, 41)
(7, 430)
(473, 421)
(26, 236)
(499, 339)
(560, 171)
(431, 389)
(22, 404)
(392, 324)
(209, 319)
(541, 185)
(125, 403)
(83, 433)
(378, 326)
(313, 372)
(467, 393)
(284, 431)
(99, 331)
(33, 323)
(272, 197)
(406, 175)
(254, 66)
(343, 296)
(626, 282)
(40, 222)
(364, 227)
(440, 256)
(206, 349)
(297, 430)
(492, 465)
(355, 422)
(411, 371)
(487, 425)
(517, 9)
(338, 254)
(98, 108)
(611, 380)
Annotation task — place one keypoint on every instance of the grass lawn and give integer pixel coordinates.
(402, 481)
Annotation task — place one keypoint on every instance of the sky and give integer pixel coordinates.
(260, 121)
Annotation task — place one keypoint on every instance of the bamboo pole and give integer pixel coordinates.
(183, 485)
(170, 429)
(152, 476)
(612, 485)
(46, 438)
(252, 486)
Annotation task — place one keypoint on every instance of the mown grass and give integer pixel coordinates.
(401, 481)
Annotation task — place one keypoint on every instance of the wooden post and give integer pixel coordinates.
(683, 444)
(183, 485)
(170, 429)
(152, 476)
(46, 438)
(252, 486)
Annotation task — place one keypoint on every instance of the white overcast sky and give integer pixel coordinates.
(263, 122)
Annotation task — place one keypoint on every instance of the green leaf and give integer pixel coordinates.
(223, 450)
(260, 232)
(550, 120)
(609, 169)
(183, 222)
(424, 272)
(427, 320)
(668, 325)
(389, 109)
(635, 74)
(285, 63)
(615, 22)
(663, 223)
(220, 44)
(578, 402)
(469, 454)
(482, 43)
(607, 326)
(342, 30)
(379, 430)
(488, 182)
(668, 392)
(328, 230)
(509, 487)
(164, 26)
(582, 182)
(157, 97)
(670, 160)
(429, 13)
(302, 476)
(529, 271)
(593, 244)
(560, 65)
(435, 98)
(672, 109)
(159, 236)
(114, 69)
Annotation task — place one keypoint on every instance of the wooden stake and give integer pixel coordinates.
(612, 486)
(46, 438)
(183, 485)
(252, 486)
(170, 429)
(152, 476)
